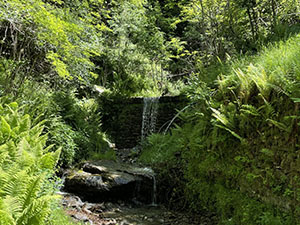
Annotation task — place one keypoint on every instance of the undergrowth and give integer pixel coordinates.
(27, 168)
(238, 152)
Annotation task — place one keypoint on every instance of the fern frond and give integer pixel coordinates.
(36, 131)
(250, 110)
(221, 118)
(5, 218)
(50, 159)
(31, 191)
(37, 211)
(12, 206)
(16, 182)
(279, 125)
(5, 128)
(25, 123)
(232, 133)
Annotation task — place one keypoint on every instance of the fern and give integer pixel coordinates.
(5, 218)
(221, 118)
(250, 110)
(25, 199)
(280, 125)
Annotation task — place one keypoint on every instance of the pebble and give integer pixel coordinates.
(150, 220)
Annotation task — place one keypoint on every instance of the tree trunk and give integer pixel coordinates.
(273, 5)
(251, 23)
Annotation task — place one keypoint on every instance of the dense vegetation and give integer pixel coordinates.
(238, 150)
(236, 154)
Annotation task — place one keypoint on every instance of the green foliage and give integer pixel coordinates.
(61, 134)
(136, 55)
(228, 27)
(71, 123)
(238, 150)
(40, 105)
(237, 154)
(26, 166)
(42, 40)
(82, 119)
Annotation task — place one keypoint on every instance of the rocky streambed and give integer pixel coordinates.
(115, 193)
(122, 213)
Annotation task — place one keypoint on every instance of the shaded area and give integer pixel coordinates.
(122, 118)
(122, 213)
(111, 181)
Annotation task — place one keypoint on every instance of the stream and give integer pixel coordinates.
(122, 213)
(129, 211)
(122, 192)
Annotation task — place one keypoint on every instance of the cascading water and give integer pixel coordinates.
(148, 127)
(154, 201)
(150, 174)
(149, 116)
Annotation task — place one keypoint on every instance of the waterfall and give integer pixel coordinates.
(154, 201)
(150, 110)
(149, 116)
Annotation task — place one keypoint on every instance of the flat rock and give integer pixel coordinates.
(109, 180)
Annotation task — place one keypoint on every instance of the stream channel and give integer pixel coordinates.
(119, 192)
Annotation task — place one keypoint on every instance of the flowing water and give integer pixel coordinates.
(150, 110)
(134, 213)
(107, 213)
(154, 200)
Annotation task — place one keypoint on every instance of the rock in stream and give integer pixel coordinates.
(114, 193)
(108, 180)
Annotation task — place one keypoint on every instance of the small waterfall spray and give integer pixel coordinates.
(149, 116)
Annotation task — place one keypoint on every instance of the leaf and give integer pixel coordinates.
(249, 109)
(5, 218)
(25, 123)
(232, 132)
(267, 152)
(5, 127)
(279, 125)
(296, 100)
(220, 117)
(49, 160)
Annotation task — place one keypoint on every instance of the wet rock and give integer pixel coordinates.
(72, 201)
(108, 180)
(81, 217)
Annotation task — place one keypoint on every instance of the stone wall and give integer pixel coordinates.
(122, 118)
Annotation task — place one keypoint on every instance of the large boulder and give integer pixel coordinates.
(109, 180)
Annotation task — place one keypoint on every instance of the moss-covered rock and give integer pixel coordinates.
(109, 180)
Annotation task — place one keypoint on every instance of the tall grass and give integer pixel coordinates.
(276, 67)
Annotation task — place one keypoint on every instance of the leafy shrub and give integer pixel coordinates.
(83, 118)
(71, 123)
(47, 39)
(61, 134)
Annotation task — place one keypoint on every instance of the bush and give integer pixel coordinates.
(82, 116)
(71, 123)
